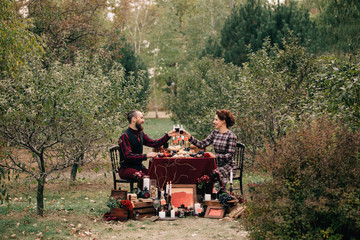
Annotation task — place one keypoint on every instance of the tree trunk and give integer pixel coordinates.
(40, 196)
(75, 167)
(231, 6)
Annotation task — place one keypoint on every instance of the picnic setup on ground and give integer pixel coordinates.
(182, 180)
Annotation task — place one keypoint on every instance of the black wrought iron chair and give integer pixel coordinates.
(115, 163)
(238, 169)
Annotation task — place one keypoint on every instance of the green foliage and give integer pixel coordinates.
(177, 33)
(339, 26)
(246, 26)
(253, 21)
(15, 40)
(273, 85)
(67, 26)
(315, 189)
(335, 88)
(59, 113)
(205, 86)
(121, 52)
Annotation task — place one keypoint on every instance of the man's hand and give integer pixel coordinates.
(151, 154)
(173, 133)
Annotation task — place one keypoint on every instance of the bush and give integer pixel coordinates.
(315, 189)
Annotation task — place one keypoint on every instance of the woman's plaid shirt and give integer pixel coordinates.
(224, 145)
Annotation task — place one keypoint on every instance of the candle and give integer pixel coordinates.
(167, 188)
(172, 213)
(231, 176)
(197, 207)
(146, 183)
(170, 186)
(162, 214)
(207, 197)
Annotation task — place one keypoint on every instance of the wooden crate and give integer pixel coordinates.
(122, 194)
(120, 213)
(142, 209)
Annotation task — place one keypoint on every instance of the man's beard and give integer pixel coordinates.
(139, 126)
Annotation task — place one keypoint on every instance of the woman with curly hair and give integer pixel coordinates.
(223, 141)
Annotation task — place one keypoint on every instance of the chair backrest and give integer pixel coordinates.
(239, 155)
(115, 159)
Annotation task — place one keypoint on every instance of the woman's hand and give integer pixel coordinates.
(186, 134)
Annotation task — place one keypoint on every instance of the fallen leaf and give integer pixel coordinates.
(40, 235)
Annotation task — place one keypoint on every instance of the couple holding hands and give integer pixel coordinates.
(131, 143)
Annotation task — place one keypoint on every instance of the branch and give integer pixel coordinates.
(17, 166)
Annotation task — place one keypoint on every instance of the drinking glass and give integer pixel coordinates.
(177, 128)
(156, 204)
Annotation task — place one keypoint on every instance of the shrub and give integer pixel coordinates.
(315, 189)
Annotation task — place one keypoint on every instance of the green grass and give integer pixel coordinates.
(64, 210)
(156, 127)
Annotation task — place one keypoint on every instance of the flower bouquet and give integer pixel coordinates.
(203, 183)
(119, 209)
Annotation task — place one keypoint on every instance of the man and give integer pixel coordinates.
(131, 146)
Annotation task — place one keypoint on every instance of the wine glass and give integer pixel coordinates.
(156, 204)
(177, 128)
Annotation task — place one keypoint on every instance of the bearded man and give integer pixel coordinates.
(131, 147)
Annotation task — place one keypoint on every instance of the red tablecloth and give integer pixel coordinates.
(180, 170)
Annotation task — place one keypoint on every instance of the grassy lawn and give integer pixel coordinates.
(156, 127)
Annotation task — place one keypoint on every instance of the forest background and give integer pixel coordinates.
(71, 69)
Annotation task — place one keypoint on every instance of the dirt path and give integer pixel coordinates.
(152, 114)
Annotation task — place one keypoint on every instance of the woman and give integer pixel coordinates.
(223, 140)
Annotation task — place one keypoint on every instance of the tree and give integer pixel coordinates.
(59, 112)
(246, 26)
(178, 34)
(67, 26)
(339, 26)
(335, 88)
(274, 85)
(122, 52)
(15, 40)
(251, 22)
(205, 86)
